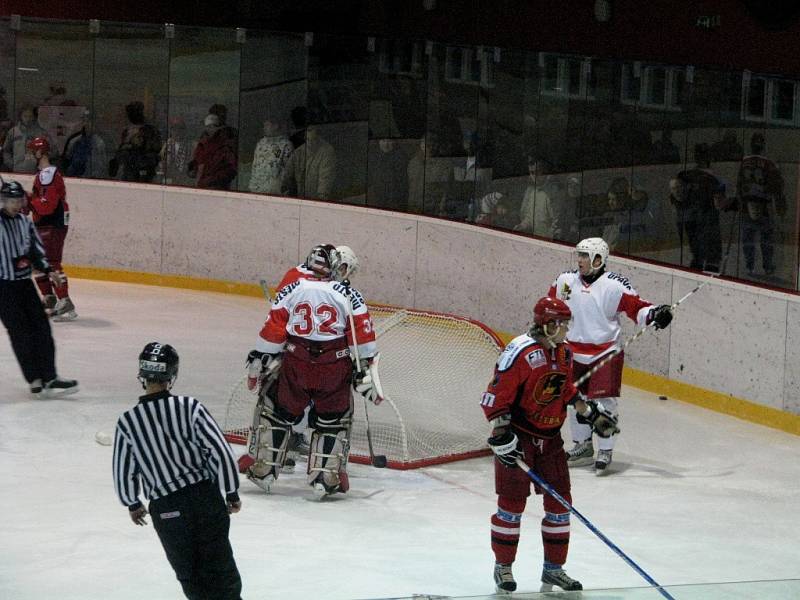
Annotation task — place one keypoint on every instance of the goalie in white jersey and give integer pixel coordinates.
(597, 298)
(308, 336)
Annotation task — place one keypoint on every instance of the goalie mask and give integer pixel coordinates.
(344, 263)
(320, 258)
(158, 363)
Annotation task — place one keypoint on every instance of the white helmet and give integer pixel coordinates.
(594, 247)
(343, 256)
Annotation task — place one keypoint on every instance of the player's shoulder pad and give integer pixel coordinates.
(286, 290)
(623, 281)
(47, 175)
(515, 348)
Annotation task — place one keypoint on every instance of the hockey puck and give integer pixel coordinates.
(102, 438)
(379, 461)
(662, 397)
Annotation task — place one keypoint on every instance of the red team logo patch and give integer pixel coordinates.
(549, 387)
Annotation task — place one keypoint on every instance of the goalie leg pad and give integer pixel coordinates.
(268, 443)
(329, 451)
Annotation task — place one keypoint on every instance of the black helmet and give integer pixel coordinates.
(158, 363)
(11, 189)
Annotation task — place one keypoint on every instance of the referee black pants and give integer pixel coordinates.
(193, 525)
(23, 316)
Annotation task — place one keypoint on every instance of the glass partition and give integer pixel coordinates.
(204, 99)
(689, 166)
(7, 68)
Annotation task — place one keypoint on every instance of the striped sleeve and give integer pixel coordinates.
(37, 253)
(220, 456)
(126, 471)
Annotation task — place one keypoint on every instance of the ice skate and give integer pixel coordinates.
(64, 311)
(56, 388)
(298, 445)
(602, 462)
(265, 483)
(504, 579)
(557, 577)
(581, 454)
(36, 387)
(49, 303)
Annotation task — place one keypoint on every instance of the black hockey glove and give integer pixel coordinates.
(505, 447)
(603, 422)
(661, 315)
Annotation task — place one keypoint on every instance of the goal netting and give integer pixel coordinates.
(433, 368)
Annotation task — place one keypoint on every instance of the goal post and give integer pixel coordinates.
(433, 367)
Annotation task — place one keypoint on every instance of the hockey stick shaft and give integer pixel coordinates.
(373, 459)
(546, 487)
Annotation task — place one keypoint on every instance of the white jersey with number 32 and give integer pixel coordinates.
(317, 310)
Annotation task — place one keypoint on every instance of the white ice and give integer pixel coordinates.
(695, 496)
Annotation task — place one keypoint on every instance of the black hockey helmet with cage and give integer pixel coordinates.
(320, 258)
(158, 363)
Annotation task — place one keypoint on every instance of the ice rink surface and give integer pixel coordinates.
(694, 496)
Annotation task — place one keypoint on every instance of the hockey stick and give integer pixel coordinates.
(546, 487)
(582, 379)
(376, 460)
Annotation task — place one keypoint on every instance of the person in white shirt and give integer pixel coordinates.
(597, 298)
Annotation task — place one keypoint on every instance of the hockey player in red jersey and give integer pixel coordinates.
(308, 330)
(50, 212)
(597, 298)
(526, 403)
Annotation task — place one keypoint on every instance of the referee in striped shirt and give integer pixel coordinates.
(172, 447)
(21, 310)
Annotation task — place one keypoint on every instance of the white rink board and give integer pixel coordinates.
(431, 264)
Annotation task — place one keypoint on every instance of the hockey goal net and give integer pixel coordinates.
(433, 368)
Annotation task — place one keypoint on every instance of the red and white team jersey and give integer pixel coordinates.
(596, 308)
(533, 385)
(295, 273)
(316, 309)
(48, 202)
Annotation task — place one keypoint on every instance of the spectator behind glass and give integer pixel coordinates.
(621, 199)
(269, 160)
(697, 194)
(139, 149)
(428, 174)
(175, 153)
(727, 149)
(388, 177)
(760, 191)
(15, 155)
(85, 152)
(214, 160)
(299, 121)
(311, 169)
(538, 214)
(665, 150)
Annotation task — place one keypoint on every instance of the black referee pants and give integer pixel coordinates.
(193, 525)
(23, 316)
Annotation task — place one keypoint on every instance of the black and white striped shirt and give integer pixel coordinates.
(21, 248)
(167, 442)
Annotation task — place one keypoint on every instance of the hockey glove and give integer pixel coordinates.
(661, 315)
(603, 421)
(367, 383)
(505, 447)
(260, 364)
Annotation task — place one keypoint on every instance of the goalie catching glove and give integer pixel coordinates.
(259, 366)
(603, 422)
(505, 446)
(367, 382)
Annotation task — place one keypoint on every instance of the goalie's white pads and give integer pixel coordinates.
(368, 383)
(267, 445)
(327, 459)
